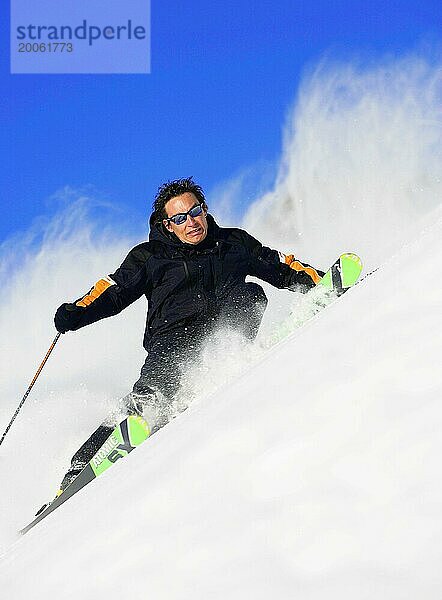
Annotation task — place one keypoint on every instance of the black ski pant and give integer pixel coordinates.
(168, 355)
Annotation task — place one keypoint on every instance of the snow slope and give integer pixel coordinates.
(315, 474)
(311, 472)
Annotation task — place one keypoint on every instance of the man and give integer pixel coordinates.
(192, 273)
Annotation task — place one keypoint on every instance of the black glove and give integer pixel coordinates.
(67, 317)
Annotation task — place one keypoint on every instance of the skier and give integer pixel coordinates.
(192, 273)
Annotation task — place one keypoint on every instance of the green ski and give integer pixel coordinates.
(343, 273)
(341, 276)
(129, 434)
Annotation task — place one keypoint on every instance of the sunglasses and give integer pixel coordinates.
(181, 218)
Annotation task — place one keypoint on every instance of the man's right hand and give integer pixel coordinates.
(67, 317)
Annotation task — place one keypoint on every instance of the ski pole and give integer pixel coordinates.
(39, 370)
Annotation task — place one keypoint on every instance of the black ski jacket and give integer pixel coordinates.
(182, 282)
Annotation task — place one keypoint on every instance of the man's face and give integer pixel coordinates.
(194, 229)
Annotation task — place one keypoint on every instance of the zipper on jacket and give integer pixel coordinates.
(186, 269)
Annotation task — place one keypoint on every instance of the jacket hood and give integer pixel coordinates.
(159, 233)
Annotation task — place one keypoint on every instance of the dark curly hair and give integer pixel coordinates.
(170, 189)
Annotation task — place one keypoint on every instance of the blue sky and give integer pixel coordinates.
(223, 77)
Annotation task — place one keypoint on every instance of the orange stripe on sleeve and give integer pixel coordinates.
(296, 265)
(101, 286)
